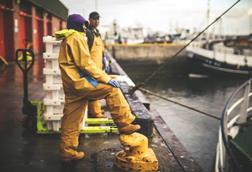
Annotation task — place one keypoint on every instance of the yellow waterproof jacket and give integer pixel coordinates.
(97, 50)
(96, 46)
(74, 55)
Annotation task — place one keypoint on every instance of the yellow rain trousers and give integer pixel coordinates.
(94, 107)
(74, 55)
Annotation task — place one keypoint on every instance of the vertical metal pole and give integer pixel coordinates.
(208, 18)
(208, 11)
(25, 77)
(244, 106)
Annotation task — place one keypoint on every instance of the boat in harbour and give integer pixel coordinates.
(226, 56)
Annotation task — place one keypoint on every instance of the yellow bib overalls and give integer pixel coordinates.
(96, 52)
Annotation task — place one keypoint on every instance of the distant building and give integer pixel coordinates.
(115, 34)
(24, 22)
(132, 35)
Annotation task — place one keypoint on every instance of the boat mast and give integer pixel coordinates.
(208, 17)
(208, 12)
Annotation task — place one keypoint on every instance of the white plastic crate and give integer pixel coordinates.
(52, 45)
(54, 109)
(51, 71)
(49, 39)
(53, 79)
(52, 102)
(53, 125)
(53, 122)
(61, 95)
(53, 117)
(54, 95)
(50, 56)
(49, 86)
(51, 64)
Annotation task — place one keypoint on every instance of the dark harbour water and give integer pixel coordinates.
(198, 133)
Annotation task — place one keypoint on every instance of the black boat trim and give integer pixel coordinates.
(225, 69)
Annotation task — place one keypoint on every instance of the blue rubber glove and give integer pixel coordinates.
(82, 74)
(114, 83)
(105, 63)
(91, 80)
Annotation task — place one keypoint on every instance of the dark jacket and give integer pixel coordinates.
(91, 33)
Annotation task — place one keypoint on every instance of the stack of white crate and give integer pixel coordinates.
(54, 97)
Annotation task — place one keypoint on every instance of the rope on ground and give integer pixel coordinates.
(178, 103)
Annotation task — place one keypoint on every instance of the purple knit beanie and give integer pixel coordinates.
(75, 21)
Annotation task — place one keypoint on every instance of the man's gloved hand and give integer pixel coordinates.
(105, 63)
(114, 83)
(107, 69)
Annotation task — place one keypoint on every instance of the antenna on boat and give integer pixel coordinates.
(208, 17)
(180, 50)
(208, 11)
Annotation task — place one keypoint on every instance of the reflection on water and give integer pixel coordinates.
(198, 133)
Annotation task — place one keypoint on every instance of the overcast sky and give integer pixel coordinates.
(166, 15)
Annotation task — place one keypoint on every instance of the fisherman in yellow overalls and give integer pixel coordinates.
(95, 84)
(96, 48)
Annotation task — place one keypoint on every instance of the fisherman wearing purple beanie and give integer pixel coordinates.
(74, 56)
(76, 22)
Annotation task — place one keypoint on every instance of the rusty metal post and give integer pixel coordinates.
(136, 155)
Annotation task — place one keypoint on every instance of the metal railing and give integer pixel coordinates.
(234, 116)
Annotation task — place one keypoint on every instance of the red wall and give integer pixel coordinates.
(6, 33)
(22, 22)
(38, 26)
(49, 27)
(55, 24)
(2, 44)
(64, 25)
(21, 31)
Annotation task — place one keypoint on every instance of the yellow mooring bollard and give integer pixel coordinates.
(136, 156)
